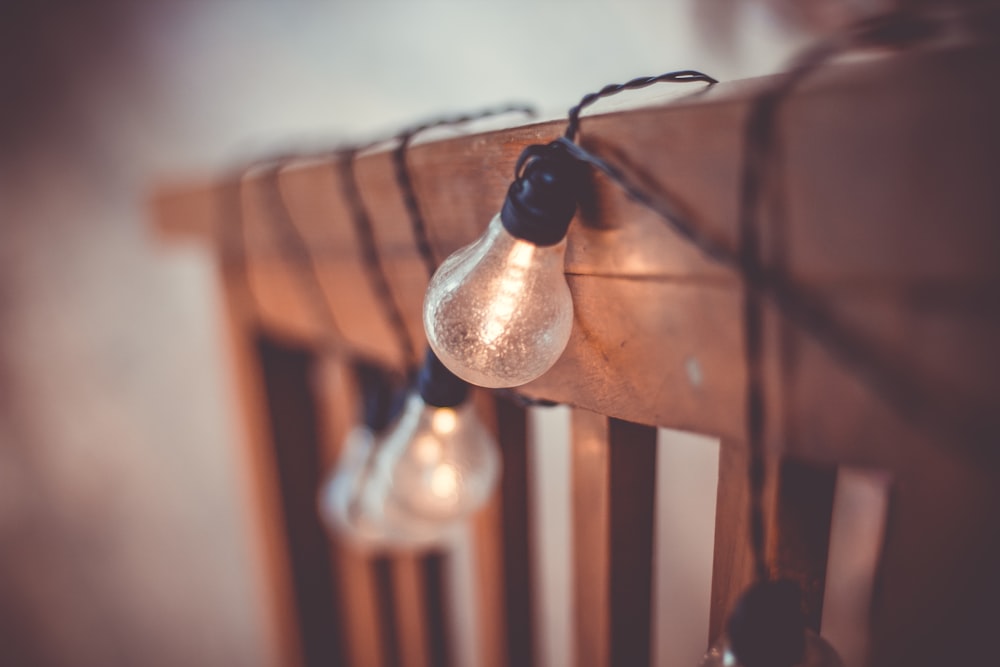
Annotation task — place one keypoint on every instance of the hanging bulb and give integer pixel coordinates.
(767, 629)
(409, 483)
(440, 462)
(498, 313)
(352, 501)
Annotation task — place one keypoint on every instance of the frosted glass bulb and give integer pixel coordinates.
(353, 503)
(498, 313)
(440, 463)
(818, 653)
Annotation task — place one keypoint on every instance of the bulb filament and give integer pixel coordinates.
(510, 291)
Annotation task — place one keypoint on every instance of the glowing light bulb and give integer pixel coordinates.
(353, 502)
(438, 474)
(767, 629)
(409, 484)
(498, 313)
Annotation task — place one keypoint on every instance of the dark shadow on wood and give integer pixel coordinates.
(297, 447)
(512, 433)
(632, 449)
(432, 568)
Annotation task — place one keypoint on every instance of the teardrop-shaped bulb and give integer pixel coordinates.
(354, 502)
(499, 312)
(818, 653)
(441, 464)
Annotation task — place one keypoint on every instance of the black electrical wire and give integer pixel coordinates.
(404, 179)
(377, 275)
(944, 412)
(681, 76)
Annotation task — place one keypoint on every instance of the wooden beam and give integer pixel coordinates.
(911, 274)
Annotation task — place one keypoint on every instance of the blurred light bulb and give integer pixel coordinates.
(498, 313)
(353, 502)
(767, 629)
(409, 484)
(438, 474)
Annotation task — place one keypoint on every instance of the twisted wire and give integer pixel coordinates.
(681, 76)
(377, 275)
(404, 179)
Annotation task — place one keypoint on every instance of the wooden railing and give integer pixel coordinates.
(887, 215)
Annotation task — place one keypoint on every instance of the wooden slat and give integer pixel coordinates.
(490, 577)
(337, 390)
(798, 502)
(297, 443)
(259, 483)
(413, 621)
(614, 488)
(512, 432)
(632, 480)
(591, 538)
(732, 568)
(439, 623)
(800, 536)
(385, 601)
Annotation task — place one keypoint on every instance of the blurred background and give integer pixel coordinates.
(121, 539)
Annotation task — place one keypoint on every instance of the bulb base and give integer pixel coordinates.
(767, 627)
(438, 386)
(541, 202)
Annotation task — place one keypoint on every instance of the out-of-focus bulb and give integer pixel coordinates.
(767, 629)
(408, 484)
(353, 502)
(498, 313)
(441, 464)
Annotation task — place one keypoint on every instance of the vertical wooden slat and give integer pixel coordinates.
(381, 567)
(512, 433)
(800, 537)
(631, 507)
(438, 621)
(256, 458)
(362, 634)
(489, 585)
(487, 539)
(732, 567)
(412, 619)
(614, 493)
(799, 503)
(297, 443)
(591, 534)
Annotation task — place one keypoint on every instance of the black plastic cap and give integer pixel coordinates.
(767, 628)
(379, 395)
(541, 203)
(438, 386)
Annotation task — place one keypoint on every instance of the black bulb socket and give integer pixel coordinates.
(438, 386)
(542, 201)
(767, 627)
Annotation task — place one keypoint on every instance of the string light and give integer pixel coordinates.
(409, 483)
(499, 312)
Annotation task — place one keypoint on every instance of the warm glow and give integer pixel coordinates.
(427, 449)
(444, 421)
(510, 290)
(444, 481)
